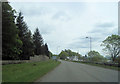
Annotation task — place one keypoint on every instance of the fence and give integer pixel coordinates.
(104, 63)
(36, 58)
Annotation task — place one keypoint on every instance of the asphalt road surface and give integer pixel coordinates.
(77, 72)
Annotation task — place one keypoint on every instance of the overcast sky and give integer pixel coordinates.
(65, 25)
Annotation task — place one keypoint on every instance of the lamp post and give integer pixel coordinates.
(90, 42)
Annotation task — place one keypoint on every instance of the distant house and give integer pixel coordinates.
(68, 58)
(54, 57)
(81, 60)
(74, 58)
(109, 60)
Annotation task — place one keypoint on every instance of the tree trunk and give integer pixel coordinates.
(113, 59)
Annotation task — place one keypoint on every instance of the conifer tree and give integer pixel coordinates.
(11, 43)
(38, 42)
(25, 37)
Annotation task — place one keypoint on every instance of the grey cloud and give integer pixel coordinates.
(99, 35)
(84, 40)
(46, 28)
(61, 16)
(105, 25)
(79, 44)
(34, 12)
(32, 9)
(75, 46)
(104, 29)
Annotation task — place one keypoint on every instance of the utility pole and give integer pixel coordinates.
(90, 43)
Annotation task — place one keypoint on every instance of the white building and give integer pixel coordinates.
(74, 58)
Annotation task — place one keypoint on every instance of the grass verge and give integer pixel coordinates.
(27, 72)
(99, 65)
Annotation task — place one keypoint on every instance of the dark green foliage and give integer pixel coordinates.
(29, 43)
(38, 42)
(50, 54)
(47, 51)
(11, 43)
(25, 36)
(17, 40)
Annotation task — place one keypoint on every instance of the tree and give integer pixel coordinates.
(50, 54)
(68, 53)
(118, 60)
(84, 58)
(29, 44)
(63, 55)
(95, 56)
(25, 37)
(11, 43)
(38, 42)
(112, 46)
(46, 50)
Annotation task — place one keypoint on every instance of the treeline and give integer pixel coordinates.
(92, 56)
(68, 53)
(18, 43)
(95, 56)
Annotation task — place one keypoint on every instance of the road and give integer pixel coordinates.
(77, 72)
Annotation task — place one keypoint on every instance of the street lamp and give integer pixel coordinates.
(90, 42)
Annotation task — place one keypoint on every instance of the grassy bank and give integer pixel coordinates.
(26, 72)
(99, 65)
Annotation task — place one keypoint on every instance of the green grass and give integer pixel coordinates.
(104, 66)
(27, 72)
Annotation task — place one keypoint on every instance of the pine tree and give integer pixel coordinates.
(11, 43)
(29, 43)
(22, 26)
(25, 36)
(38, 42)
(46, 50)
